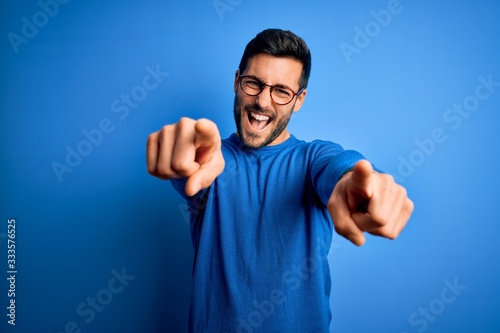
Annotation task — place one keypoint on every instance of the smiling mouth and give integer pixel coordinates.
(258, 121)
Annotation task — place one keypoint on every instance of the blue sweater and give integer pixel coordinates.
(261, 235)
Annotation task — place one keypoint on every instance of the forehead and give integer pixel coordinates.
(275, 70)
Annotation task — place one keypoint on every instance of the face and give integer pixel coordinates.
(259, 120)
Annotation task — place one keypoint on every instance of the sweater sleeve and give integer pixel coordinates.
(180, 186)
(329, 164)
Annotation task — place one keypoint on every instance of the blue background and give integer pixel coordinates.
(109, 214)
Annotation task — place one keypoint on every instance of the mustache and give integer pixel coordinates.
(257, 108)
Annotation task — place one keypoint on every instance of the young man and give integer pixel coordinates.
(262, 202)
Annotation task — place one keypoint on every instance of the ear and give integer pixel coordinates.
(300, 100)
(236, 80)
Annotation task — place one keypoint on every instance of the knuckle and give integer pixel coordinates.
(180, 165)
(162, 172)
(184, 122)
(410, 205)
(394, 233)
(165, 134)
(184, 127)
(392, 236)
(166, 129)
(377, 219)
(388, 177)
(401, 190)
(152, 138)
(152, 170)
(204, 122)
(386, 233)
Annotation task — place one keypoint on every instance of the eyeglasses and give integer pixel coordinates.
(280, 94)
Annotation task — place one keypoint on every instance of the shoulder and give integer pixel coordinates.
(330, 154)
(311, 150)
(321, 148)
(325, 145)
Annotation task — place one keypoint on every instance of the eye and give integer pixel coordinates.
(253, 84)
(283, 92)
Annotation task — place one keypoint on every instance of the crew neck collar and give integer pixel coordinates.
(235, 139)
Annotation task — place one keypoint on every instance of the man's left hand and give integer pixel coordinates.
(366, 201)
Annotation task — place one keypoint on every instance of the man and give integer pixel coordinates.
(262, 202)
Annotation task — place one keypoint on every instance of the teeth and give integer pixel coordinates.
(259, 117)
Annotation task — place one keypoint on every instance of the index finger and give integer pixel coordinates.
(207, 133)
(361, 177)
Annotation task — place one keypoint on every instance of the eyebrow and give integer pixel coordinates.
(279, 85)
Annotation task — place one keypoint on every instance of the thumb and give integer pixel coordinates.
(206, 174)
(343, 221)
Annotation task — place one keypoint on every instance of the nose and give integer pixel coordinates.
(264, 99)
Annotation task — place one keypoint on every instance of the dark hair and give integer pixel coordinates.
(279, 43)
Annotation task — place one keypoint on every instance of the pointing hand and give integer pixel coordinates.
(364, 200)
(189, 149)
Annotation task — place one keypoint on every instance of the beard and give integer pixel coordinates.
(252, 140)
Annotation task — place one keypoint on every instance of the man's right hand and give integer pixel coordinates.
(189, 149)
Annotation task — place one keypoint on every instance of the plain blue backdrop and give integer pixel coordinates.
(404, 82)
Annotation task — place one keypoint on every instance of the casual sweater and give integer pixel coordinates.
(261, 235)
